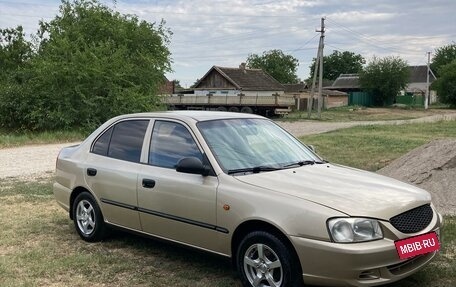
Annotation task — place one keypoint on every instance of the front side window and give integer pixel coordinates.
(171, 142)
(123, 141)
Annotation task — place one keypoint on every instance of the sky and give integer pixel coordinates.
(225, 32)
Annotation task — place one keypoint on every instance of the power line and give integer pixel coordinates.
(23, 15)
(216, 15)
(246, 35)
(305, 44)
(28, 3)
(222, 56)
(368, 40)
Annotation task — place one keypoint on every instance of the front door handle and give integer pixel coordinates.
(148, 183)
(91, 172)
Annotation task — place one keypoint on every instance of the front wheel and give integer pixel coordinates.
(87, 217)
(263, 260)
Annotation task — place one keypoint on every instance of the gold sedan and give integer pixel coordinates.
(240, 186)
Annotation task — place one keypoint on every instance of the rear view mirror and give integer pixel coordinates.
(312, 148)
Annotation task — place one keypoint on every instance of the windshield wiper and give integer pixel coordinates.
(304, 162)
(300, 163)
(256, 169)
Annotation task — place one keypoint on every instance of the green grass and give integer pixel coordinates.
(40, 247)
(373, 147)
(441, 271)
(357, 113)
(10, 139)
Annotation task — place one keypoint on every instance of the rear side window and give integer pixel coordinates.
(102, 144)
(123, 141)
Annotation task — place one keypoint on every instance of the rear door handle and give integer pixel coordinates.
(148, 183)
(91, 172)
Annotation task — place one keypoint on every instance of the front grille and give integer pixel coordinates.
(413, 220)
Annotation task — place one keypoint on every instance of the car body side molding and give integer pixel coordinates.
(166, 215)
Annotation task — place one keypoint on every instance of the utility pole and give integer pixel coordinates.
(318, 67)
(320, 81)
(312, 90)
(426, 97)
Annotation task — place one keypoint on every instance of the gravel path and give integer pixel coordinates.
(31, 162)
(305, 127)
(432, 167)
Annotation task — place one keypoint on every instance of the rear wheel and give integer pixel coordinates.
(263, 260)
(247, 110)
(222, 109)
(87, 218)
(234, 109)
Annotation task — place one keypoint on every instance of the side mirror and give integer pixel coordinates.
(311, 147)
(192, 165)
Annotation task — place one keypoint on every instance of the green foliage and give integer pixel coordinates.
(14, 50)
(443, 56)
(92, 63)
(14, 139)
(177, 85)
(280, 66)
(339, 63)
(384, 78)
(445, 85)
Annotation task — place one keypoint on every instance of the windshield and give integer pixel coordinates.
(257, 144)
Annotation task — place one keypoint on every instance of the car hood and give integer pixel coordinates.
(348, 190)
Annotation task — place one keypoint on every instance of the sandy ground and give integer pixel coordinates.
(431, 167)
(38, 161)
(29, 162)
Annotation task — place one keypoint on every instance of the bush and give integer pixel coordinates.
(90, 64)
(445, 85)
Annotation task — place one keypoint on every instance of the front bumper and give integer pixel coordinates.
(358, 264)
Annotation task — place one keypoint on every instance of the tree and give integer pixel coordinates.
(14, 49)
(443, 55)
(92, 63)
(339, 63)
(177, 85)
(15, 56)
(384, 78)
(445, 85)
(194, 84)
(280, 66)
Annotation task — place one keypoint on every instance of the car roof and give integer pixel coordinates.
(197, 116)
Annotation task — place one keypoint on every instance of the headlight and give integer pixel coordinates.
(344, 230)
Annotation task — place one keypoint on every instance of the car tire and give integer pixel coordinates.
(264, 260)
(247, 110)
(87, 218)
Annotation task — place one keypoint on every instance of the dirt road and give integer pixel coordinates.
(29, 162)
(302, 128)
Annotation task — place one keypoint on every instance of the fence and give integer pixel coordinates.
(410, 100)
(360, 99)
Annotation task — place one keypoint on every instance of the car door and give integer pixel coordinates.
(174, 205)
(112, 169)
